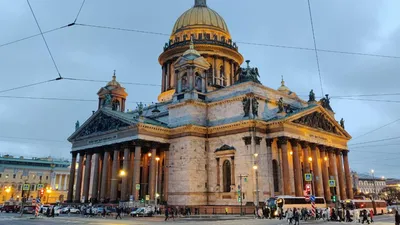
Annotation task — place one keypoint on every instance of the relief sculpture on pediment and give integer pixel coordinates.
(317, 120)
(102, 123)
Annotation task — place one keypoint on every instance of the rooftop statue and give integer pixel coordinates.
(77, 125)
(107, 100)
(342, 123)
(311, 97)
(280, 105)
(248, 74)
(326, 103)
(140, 108)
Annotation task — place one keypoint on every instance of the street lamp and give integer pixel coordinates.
(122, 173)
(156, 194)
(325, 158)
(373, 195)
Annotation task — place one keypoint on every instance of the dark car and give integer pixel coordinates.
(10, 208)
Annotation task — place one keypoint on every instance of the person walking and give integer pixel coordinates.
(365, 217)
(166, 214)
(296, 216)
(348, 217)
(397, 218)
(52, 212)
(118, 213)
(104, 212)
(371, 215)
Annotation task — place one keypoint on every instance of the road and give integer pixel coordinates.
(7, 219)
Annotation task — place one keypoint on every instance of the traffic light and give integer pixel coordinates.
(41, 192)
(334, 198)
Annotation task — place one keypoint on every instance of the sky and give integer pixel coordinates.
(41, 127)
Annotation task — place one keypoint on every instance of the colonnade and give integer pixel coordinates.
(119, 173)
(324, 162)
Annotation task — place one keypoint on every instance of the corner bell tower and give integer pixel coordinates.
(112, 96)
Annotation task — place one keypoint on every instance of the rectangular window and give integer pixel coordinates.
(40, 177)
(200, 36)
(47, 177)
(6, 175)
(0, 175)
(14, 176)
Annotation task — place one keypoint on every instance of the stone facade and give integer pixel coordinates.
(203, 139)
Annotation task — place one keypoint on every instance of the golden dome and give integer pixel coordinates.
(200, 15)
(114, 81)
(283, 88)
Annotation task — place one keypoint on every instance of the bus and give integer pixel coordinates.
(358, 204)
(290, 202)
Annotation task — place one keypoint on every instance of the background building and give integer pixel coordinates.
(367, 184)
(15, 172)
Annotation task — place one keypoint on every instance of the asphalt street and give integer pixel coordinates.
(8, 219)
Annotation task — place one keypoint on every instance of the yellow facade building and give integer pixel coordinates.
(17, 173)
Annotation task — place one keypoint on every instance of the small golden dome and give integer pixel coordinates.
(114, 81)
(200, 15)
(283, 88)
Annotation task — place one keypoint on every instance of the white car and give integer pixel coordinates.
(74, 210)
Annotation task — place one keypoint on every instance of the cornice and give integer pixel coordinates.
(187, 102)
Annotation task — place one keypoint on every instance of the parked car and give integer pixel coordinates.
(29, 210)
(10, 208)
(142, 212)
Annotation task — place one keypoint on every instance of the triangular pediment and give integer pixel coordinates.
(319, 119)
(99, 123)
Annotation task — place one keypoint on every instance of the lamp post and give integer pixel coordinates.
(156, 191)
(373, 195)
(255, 167)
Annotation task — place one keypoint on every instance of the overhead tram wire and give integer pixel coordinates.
(32, 36)
(245, 43)
(374, 141)
(62, 99)
(29, 85)
(103, 81)
(44, 39)
(369, 132)
(315, 47)
(239, 42)
(79, 12)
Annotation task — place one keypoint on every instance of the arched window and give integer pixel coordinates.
(210, 76)
(199, 82)
(275, 175)
(115, 105)
(61, 198)
(226, 171)
(184, 82)
(221, 75)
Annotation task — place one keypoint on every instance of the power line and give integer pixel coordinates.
(103, 81)
(365, 95)
(62, 99)
(121, 29)
(368, 100)
(32, 36)
(247, 43)
(315, 47)
(44, 39)
(33, 139)
(380, 140)
(395, 121)
(371, 146)
(79, 12)
(29, 85)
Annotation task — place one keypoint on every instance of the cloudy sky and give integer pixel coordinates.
(40, 127)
